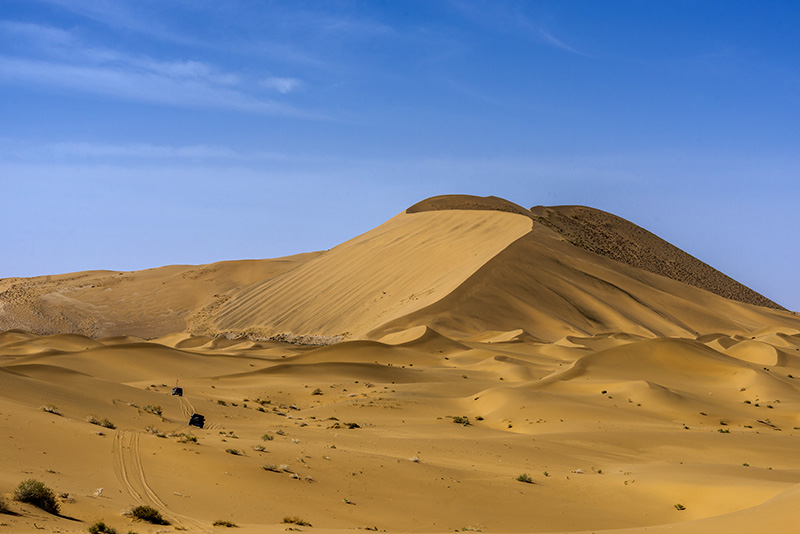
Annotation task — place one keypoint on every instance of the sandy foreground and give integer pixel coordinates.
(614, 430)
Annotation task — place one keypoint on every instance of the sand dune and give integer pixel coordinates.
(404, 381)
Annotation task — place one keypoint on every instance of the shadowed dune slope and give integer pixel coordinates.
(611, 236)
(551, 289)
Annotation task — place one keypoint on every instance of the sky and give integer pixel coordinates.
(142, 133)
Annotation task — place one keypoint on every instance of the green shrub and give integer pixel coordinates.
(149, 514)
(223, 523)
(267, 437)
(36, 493)
(102, 528)
(461, 420)
(524, 477)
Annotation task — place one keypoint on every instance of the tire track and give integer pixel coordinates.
(187, 409)
(129, 471)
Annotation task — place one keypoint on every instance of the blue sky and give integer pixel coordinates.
(135, 134)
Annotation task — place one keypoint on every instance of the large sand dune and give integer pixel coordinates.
(477, 342)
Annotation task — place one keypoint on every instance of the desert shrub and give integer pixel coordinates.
(680, 507)
(4, 509)
(33, 492)
(105, 423)
(51, 408)
(352, 425)
(317, 392)
(259, 448)
(461, 420)
(149, 514)
(153, 409)
(224, 523)
(296, 521)
(271, 467)
(524, 477)
(235, 452)
(267, 437)
(102, 528)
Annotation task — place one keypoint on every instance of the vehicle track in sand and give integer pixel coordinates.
(129, 471)
(187, 409)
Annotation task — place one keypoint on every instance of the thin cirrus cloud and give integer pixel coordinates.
(140, 84)
(282, 85)
(53, 58)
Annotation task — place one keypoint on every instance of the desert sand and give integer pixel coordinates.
(404, 381)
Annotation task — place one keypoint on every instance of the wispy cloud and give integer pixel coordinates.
(282, 85)
(548, 38)
(55, 58)
(89, 152)
(141, 84)
(510, 18)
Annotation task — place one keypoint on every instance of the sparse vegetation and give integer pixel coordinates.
(34, 492)
(51, 408)
(102, 528)
(153, 409)
(224, 523)
(294, 520)
(524, 477)
(186, 438)
(680, 507)
(461, 420)
(271, 467)
(267, 437)
(259, 448)
(148, 514)
(317, 392)
(235, 452)
(105, 423)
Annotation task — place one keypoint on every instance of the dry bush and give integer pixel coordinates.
(33, 492)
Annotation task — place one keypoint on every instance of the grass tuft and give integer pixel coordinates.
(51, 408)
(296, 521)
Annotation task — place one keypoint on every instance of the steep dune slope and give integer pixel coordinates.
(551, 289)
(409, 262)
(467, 265)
